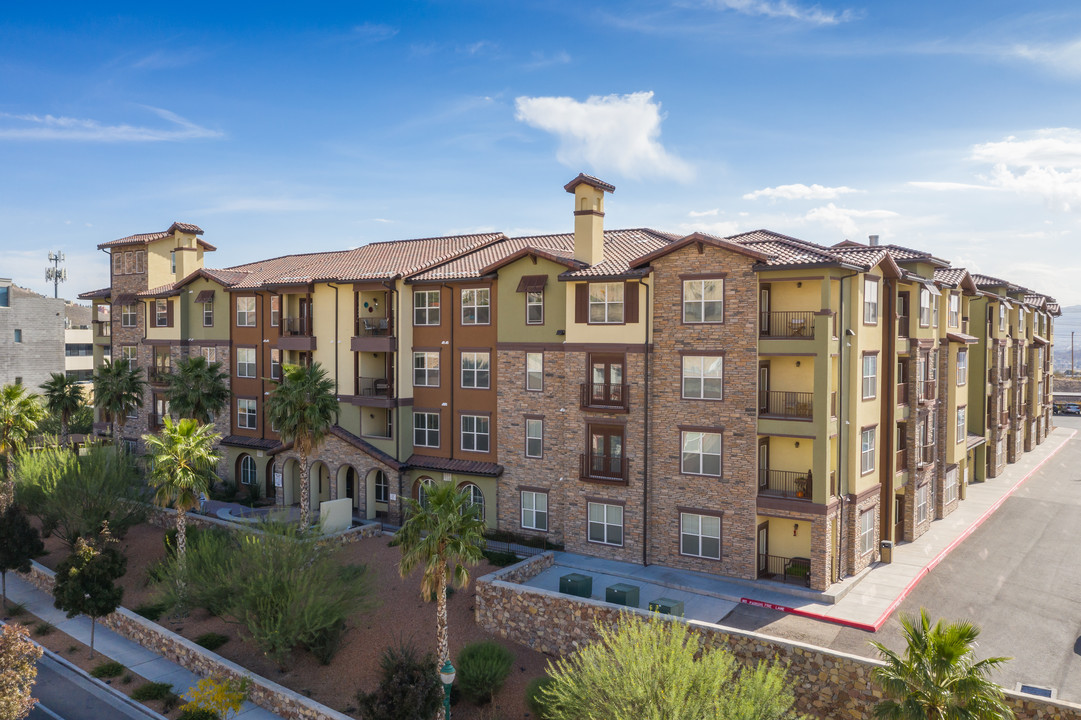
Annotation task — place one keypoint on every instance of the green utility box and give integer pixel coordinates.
(666, 606)
(622, 594)
(576, 584)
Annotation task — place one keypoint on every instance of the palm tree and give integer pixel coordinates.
(938, 677)
(20, 413)
(118, 389)
(302, 407)
(445, 531)
(198, 389)
(63, 396)
(183, 462)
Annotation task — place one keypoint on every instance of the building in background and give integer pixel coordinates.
(35, 332)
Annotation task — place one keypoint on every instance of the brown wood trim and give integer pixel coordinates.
(703, 276)
(719, 429)
(700, 511)
(868, 427)
(869, 276)
(870, 352)
(598, 213)
(426, 410)
(532, 416)
(487, 350)
(532, 488)
(767, 503)
(705, 352)
(478, 413)
(630, 303)
(604, 501)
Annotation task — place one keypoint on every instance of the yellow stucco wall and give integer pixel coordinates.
(512, 326)
(631, 333)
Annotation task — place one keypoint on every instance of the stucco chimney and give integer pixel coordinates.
(873, 239)
(588, 217)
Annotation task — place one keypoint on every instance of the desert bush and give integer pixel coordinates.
(211, 641)
(151, 611)
(325, 642)
(409, 687)
(15, 610)
(151, 691)
(43, 628)
(108, 669)
(482, 669)
(534, 700)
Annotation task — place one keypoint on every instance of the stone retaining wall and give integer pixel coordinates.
(166, 518)
(827, 684)
(264, 693)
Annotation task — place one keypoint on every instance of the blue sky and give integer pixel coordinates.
(947, 126)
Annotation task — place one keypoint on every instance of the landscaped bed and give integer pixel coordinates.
(399, 614)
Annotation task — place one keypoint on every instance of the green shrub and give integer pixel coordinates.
(409, 687)
(170, 701)
(197, 714)
(482, 669)
(109, 669)
(43, 628)
(500, 559)
(211, 641)
(151, 691)
(325, 643)
(534, 700)
(16, 609)
(126, 680)
(151, 611)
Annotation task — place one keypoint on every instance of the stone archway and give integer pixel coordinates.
(290, 482)
(349, 485)
(271, 486)
(377, 485)
(319, 483)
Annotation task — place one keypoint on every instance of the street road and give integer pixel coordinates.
(68, 695)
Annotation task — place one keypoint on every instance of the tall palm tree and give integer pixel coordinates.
(302, 407)
(20, 413)
(118, 389)
(938, 677)
(198, 389)
(63, 396)
(444, 532)
(183, 462)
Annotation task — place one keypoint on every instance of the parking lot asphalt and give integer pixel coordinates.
(1018, 576)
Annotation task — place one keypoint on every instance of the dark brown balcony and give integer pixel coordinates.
(297, 334)
(926, 390)
(902, 393)
(927, 454)
(785, 569)
(781, 404)
(784, 483)
(903, 326)
(609, 397)
(901, 462)
(296, 326)
(603, 468)
(787, 324)
(159, 375)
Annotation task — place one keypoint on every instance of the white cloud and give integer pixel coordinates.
(721, 228)
(613, 133)
(799, 191)
(478, 47)
(1062, 57)
(539, 60)
(947, 186)
(703, 213)
(1046, 164)
(373, 32)
(784, 9)
(49, 127)
(845, 219)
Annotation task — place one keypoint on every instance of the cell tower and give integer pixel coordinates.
(56, 274)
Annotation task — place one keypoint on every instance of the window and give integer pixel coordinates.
(867, 531)
(703, 377)
(161, 312)
(867, 451)
(534, 307)
(245, 312)
(422, 487)
(534, 437)
(476, 498)
(606, 452)
(5, 296)
(247, 470)
(534, 371)
(962, 426)
(118, 263)
(870, 301)
(534, 510)
(382, 487)
(700, 535)
(701, 454)
(476, 306)
(475, 373)
(140, 261)
(426, 429)
(703, 301)
(208, 314)
(934, 310)
(426, 369)
(1002, 317)
(605, 524)
(172, 261)
(210, 354)
(925, 307)
(275, 310)
(245, 362)
(426, 307)
(949, 488)
(245, 414)
(78, 349)
(475, 433)
(129, 354)
(129, 263)
(962, 367)
(275, 364)
(606, 302)
(922, 504)
(131, 446)
(955, 310)
(870, 376)
(128, 315)
(18, 335)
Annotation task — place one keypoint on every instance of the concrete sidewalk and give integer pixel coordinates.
(864, 601)
(112, 646)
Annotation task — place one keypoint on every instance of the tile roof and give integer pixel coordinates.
(475, 264)
(621, 249)
(950, 276)
(988, 281)
(143, 238)
(589, 180)
(364, 446)
(784, 250)
(469, 467)
(250, 442)
(160, 291)
(102, 293)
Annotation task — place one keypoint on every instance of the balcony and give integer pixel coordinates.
(603, 468)
(902, 393)
(903, 326)
(784, 483)
(784, 569)
(926, 389)
(156, 421)
(607, 397)
(159, 375)
(296, 334)
(103, 428)
(103, 329)
(901, 462)
(787, 405)
(1003, 418)
(373, 334)
(787, 324)
(371, 392)
(926, 454)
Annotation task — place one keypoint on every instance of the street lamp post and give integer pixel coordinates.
(446, 674)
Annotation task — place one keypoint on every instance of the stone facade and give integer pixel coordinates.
(858, 560)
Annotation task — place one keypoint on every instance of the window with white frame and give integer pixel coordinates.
(1002, 317)
(701, 453)
(867, 451)
(275, 310)
(208, 314)
(949, 488)
(922, 504)
(172, 262)
(245, 414)
(245, 312)
(703, 377)
(534, 437)
(703, 301)
(245, 362)
(426, 369)
(475, 433)
(606, 303)
(962, 366)
(476, 306)
(534, 510)
(534, 371)
(128, 315)
(210, 354)
(870, 376)
(475, 370)
(700, 535)
(962, 426)
(426, 429)
(925, 307)
(955, 310)
(476, 497)
(129, 354)
(534, 307)
(247, 470)
(161, 312)
(870, 301)
(605, 523)
(382, 487)
(423, 485)
(275, 364)
(934, 310)
(426, 307)
(867, 531)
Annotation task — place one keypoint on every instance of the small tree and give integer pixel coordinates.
(86, 581)
(18, 669)
(63, 396)
(219, 696)
(118, 389)
(198, 389)
(20, 413)
(20, 542)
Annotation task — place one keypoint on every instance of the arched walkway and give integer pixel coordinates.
(271, 487)
(319, 479)
(378, 494)
(291, 482)
(350, 486)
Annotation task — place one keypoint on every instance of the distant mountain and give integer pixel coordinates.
(1069, 322)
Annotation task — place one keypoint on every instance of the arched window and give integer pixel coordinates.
(247, 470)
(476, 497)
(420, 491)
(382, 487)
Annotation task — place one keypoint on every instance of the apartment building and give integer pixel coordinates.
(756, 406)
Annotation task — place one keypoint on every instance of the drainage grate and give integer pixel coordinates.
(1034, 690)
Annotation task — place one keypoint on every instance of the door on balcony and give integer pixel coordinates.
(763, 549)
(606, 379)
(304, 319)
(763, 463)
(764, 309)
(763, 387)
(606, 451)
(902, 314)
(162, 361)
